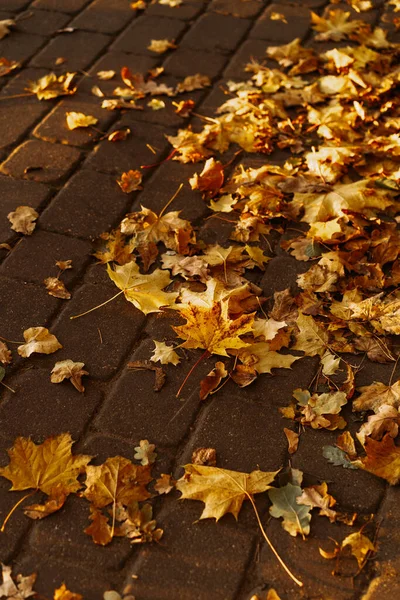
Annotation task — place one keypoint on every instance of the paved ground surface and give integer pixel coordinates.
(77, 198)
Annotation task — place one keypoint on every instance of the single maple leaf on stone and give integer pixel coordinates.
(38, 339)
(62, 593)
(161, 46)
(211, 329)
(55, 287)
(51, 86)
(68, 369)
(23, 219)
(162, 353)
(143, 291)
(5, 354)
(78, 119)
(337, 26)
(221, 490)
(130, 181)
(210, 179)
(145, 452)
(48, 467)
(19, 590)
(376, 395)
(382, 459)
(296, 517)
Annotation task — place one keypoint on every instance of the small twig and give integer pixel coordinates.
(205, 354)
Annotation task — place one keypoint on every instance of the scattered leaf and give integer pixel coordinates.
(204, 456)
(68, 369)
(23, 219)
(5, 354)
(22, 588)
(130, 181)
(145, 452)
(62, 593)
(56, 288)
(38, 339)
(164, 354)
(296, 517)
(146, 365)
(77, 119)
(161, 46)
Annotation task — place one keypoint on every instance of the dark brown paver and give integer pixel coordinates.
(139, 34)
(15, 193)
(236, 8)
(21, 46)
(41, 22)
(206, 63)
(298, 22)
(72, 6)
(106, 16)
(206, 33)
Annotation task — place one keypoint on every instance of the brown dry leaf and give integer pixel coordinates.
(222, 491)
(119, 135)
(146, 365)
(161, 46)
(293, 440)
(5, 25)
(317, 496)
(210, 179)
(360, 547)
(193, 82)
(377, 394)
(51, 86)
(337, 26)
(49, 467)
(145, 452)
(164, 484)
(275, 16)
(68, 369)
(38, 339)
(53, 503)
(263, 360)
(5, 354)
(63, 594)
(130, 181)
(23, 219)
(99, 529)
(311, 338)
(212, 380)
(78, 119)
(105, 75)
(204, 456)
(382, 459)
(6, 66)
(114, 247)
(63, 265)
(137, 524)
(184, 107)
(211, 328)
(56, 288)
(164, 354)
(19, 590)
(386, 420)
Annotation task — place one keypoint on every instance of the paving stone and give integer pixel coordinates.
(205, 35)
(46, 163)
(40, 22)
(109, 332)
(13, 193)
(208, 559)
(18, 84)
(20, 46)
(281, 273)
(54, 127)
(91, 581)
(249, 51)
(312, 4)
(200, 62)
(88, 205)
(33, 308)
(13, 5)
(48, 408)
(237, 8)
(347, 486)
(79, 48)
(131, 153)
(163, 185)
(18, 526)
(17, 117)
(132, 408)
(70, 7)
(186, 11)
(298, 24)
(139, 34)
(34, 258)
(105, 16)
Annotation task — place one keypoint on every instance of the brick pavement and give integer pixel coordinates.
(73, 188)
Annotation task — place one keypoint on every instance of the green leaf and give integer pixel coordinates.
(296, 517)
(337, 457)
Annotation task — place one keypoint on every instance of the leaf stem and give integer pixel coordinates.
(96, 307)
(14, 508)
(170, 201)
(205, 354)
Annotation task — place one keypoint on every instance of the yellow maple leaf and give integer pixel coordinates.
(264, 360)
(221, 490)
(23, 219)
(130, 181)
(163, 353)
(337, 26)
(78, 119)
(311, 338)
(382, 459)
(38, 339)
(51, 86)
(63, 594)
(211, 328)
(143, 291)
(161, 46)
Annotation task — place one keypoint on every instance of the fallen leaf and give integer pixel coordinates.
(292, 438)
(56, 288)
(263, 360)
(210, 179)
(338, 457)
(275, 16)
(38, 339)
(377, 394)
(296, 517)
(5, 354)
(386, 420)
(23, 219)
(316, 496)
(22, 588)
(68, 369)
(164, 484)
(221, 490)
(6, 66)
(161, 46)
(204, 456)
(212, 380)
(62, 593)
(137, 524)
(193, 82)
(5, 25)
(337, 26)
(130, 181)
(156, 104)
(145, 452)
(311, 338)
(78, 119)
(164, 354)
(382, 459)
(105, 75)
(51, 86)
(63, 265)
(119, 135)
(184, 107)
(160, 376)
(99, 529)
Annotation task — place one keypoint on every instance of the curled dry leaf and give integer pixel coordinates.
(23, 219)
(5, 354)
(161, 46)
(164, 354)
(6, 66)
(119, 135)
(51, 86)
(146, 365)
(386, 420)
(145, 452)
(292, 438)
(382, 459)
(5, 25)
(184, 107)
(130, 181)
(193, 82)
(68, 369)
(376, 395)
(222, 491)
(55, 287)
(38, 339)
(156, 104)
(63, 265)
(137, 524)
(105, 75)
(19, 590)
(360, 547)
(78, 119)
(164, 484)
(204, 456)
(62, 593)
(210, 179)
(211, 382)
